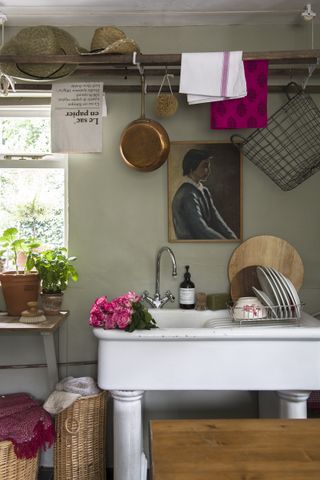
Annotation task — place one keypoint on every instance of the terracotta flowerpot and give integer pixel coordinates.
(51, 303)
(19, 289)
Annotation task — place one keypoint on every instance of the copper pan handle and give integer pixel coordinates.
(142, 97)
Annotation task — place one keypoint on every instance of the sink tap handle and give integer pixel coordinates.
(170, 296)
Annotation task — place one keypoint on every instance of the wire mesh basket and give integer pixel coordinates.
(288, 149)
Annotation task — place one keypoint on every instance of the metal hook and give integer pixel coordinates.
(137, 64)
(311, 69)
(3, 19)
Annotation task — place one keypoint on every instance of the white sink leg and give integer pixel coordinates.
(293, 403)
(129, 460)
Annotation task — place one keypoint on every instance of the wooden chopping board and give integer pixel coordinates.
(242, 283)
(268, 251)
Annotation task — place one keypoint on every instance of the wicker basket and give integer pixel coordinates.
(13, 468)
(79, 451)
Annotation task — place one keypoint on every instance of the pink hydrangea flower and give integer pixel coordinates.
(114, 314)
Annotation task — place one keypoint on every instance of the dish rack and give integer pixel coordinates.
(275, 315)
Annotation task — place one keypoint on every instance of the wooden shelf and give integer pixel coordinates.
(275, 58)
(9, 324)
(287, 64)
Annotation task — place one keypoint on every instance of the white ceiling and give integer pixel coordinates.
(154, 12)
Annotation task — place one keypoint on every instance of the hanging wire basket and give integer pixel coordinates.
(288, 149)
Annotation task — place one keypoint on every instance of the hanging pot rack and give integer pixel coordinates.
(287, 63)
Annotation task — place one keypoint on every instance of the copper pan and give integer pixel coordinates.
(144, 143)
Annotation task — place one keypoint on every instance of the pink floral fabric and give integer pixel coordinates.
(249, 111)
(114, 314)
(26, 424)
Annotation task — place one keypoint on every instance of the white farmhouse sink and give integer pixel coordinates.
(183, 355)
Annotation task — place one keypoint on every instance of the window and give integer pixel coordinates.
(33, 182)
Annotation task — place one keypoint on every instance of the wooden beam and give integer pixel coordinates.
(32, 87)
(159, 72)
(274, 57)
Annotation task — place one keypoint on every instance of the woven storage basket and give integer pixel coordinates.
(13, 468)
(79, 451)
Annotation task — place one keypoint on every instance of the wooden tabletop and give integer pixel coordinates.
(255, 449)
(11, 324)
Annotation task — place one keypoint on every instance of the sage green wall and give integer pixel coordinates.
(118, 220)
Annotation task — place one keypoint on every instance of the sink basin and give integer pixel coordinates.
(183, 355)
(178, 318)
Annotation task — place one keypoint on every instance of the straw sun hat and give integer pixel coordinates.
(40, 40)
(112, 40)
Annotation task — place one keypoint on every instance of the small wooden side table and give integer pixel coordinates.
(46, 329)
(235, 449)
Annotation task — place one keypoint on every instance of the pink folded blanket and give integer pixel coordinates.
(26, 424)
(249, 111)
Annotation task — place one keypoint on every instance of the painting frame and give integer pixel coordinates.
(224, 183)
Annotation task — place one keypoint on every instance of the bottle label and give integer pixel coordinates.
(187, 296)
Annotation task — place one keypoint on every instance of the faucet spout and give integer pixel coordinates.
(174, 266)
(157, 301)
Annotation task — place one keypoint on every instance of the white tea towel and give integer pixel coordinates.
(59, 401)
(82, 385)
(212, 76)
(60, 385)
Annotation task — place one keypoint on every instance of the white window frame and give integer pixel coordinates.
(47, 161)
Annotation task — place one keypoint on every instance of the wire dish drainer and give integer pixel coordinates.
(275, 315)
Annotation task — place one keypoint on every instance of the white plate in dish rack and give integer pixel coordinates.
(284, 310)
(293, 294)
(285, 294)
(219, 323)
(265, 300)
(267, 286)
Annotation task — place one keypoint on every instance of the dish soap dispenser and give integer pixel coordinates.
(187, 293)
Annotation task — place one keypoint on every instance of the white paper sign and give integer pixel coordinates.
(76, 117)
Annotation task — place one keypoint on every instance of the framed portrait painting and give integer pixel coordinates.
(204, 192)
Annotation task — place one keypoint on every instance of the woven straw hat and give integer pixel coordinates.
(40, 40)
(112, 40)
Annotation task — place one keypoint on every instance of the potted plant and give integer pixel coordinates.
(55, 269)
(19, 285)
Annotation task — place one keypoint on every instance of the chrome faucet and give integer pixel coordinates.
(157, 301)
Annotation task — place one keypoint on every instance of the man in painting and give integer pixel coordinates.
(194, 213)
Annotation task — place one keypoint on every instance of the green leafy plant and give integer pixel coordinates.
(12, 245)
(55, 269)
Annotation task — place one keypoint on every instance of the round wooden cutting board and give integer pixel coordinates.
(242, 283)
(268, 251)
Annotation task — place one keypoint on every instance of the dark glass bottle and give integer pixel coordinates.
(187, 293)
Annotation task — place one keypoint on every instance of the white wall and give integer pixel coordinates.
(118, 221)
